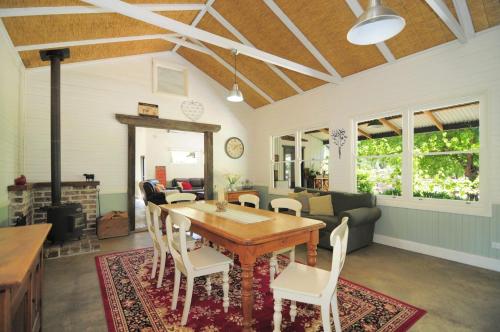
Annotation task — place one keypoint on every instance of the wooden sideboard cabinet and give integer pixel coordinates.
(233, 196)
(21, 274)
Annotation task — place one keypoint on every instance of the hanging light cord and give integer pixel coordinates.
(234, 53)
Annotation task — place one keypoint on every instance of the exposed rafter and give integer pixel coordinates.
(238, 74)
(195, 33)
(198, 18)
(382, 47)
(168, 37)
(63, 10)
(364, 133)
(464, 17)
(6, 36)
(300, 36)
(442, 10)
(245, 41)
(434, 120)
(390, 125)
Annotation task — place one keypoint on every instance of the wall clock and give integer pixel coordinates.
(234, 147)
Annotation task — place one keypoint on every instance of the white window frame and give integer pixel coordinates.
(298, 157)
(406, 200)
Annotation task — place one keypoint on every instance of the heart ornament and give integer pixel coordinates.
(193, 110)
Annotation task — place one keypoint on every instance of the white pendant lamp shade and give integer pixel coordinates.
(235, 94)
(376, 24)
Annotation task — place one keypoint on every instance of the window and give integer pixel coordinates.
(446, 153)
(185, 157)
(423, 156)
(169, 79)
(379, 156)
(301, 159)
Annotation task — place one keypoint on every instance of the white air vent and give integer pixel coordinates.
(169, 79)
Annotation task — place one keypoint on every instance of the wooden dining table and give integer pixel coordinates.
(250, 240)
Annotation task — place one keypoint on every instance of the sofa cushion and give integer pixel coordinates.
(175, 181)
(186, 185)
(343, 201)
(330, 221)
(303, 198)
(321, 205)
(196, 182)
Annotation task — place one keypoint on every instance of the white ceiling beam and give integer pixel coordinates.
(302, 38)
(193, 32)
(197, 19)
(238, 74)
(245, 41)
(64, 10)
(382, 47)
(5, 35)
(168, 37)
(442, 10)
(464, 18)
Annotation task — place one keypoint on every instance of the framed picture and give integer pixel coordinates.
(170, 79)
(146, 109)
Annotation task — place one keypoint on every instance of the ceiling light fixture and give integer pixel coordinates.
(235, 94)
(376, 24)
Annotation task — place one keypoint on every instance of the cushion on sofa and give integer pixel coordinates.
(303, 198)
(196, 182)
(321, 205)
(330, 221)
(186, 185)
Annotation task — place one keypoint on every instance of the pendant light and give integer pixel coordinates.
(376, 24)
(235, 94)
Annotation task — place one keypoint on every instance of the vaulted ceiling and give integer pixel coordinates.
(311, 33)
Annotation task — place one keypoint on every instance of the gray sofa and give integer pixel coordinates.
(361, 210)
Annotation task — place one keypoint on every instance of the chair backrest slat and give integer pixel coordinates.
(181, 257)
(287, 203)
(338, 240)
(153, 213)
(249, 198)
(180, 197)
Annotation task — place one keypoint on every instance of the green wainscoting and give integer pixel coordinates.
(4, 216)
(464, 233)
(113, 202)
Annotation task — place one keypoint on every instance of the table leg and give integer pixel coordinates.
(311, 248)
(247, 263)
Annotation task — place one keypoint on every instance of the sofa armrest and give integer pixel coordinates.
(361, 216)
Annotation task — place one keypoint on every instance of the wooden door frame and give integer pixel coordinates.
(133, 122)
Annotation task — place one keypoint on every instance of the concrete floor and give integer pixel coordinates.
(457, 297)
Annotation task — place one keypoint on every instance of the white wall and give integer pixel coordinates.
(11, 72)
(93, 141)
(449, 71)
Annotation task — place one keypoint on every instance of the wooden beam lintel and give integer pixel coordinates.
(151, 122)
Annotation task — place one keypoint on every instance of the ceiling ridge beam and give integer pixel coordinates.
(195, 33)
(197, 19)
(64, 10)
(302, 38)
(225, 23)
(442, 10)
(238, 74)
(382, 47)
(464, 17)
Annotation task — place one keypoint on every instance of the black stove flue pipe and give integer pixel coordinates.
(55, 57)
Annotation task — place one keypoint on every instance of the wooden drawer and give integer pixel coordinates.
(233, 196)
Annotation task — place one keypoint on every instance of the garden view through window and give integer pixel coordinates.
(444, 157)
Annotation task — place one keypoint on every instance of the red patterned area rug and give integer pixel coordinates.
(133, 303)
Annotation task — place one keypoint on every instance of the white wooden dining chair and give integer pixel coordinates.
(180, 197)
(276, 204)
(201, 262)
(160, 246)
(290, 283)
(249, 198)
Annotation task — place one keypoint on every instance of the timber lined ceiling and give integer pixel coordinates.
(324, 23)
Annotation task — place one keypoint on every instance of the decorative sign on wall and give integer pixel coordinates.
(148, 109)
(193, 110)
(339, 139)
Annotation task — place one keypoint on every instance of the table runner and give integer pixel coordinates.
(234, 215)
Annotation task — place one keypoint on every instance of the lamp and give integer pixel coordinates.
(376, 24)
(235, 94)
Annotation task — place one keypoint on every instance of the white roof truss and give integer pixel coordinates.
(464, 18)
(197, 19)
(442, 10)
(195, 33)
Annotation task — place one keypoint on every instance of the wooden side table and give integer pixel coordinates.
(233, 196)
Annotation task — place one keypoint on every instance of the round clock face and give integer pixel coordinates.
(234, 147)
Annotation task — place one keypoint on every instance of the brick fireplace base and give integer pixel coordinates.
(88, 243)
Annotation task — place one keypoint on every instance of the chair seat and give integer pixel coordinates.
(292, 280)
(190, 242)
(207, 257)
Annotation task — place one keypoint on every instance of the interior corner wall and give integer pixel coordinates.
(93, 141)
(449, 71)
(11, 72)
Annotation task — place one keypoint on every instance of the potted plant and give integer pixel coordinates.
(232, 179)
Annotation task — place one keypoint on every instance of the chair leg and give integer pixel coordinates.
(292, 255)
(177, 283)
(277, 315)
(336, 316)
(325, 317)
(293, 311)
(155, 263)
(225, 289)
(273, 268)
(208, 286)
(163, 259)
(187, 302)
